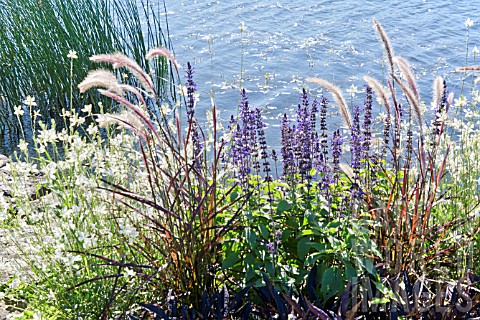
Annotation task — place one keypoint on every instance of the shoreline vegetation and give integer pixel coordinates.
(161, 216)
(35, 37)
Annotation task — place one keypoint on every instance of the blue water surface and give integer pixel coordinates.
(286, 41)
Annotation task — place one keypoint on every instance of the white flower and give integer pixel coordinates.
(460, 102)
(208, 37)
(15, 283)
(130, 232)
(22, 145)
(468, 23)
(3, 215)
(72, 54)
(130, 272)
(92, 129)
(87, 108)
(41, 149)
(475, 50)
(18, 111)
(353, 90)
(30, 101)
(242, 26)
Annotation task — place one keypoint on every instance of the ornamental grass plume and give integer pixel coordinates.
(386, 44)
(119, 60)
(407, 73)
(163, 52)
(183, 212)
(101, 78)
(338, 96)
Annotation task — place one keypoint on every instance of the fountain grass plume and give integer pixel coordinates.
(380, 92)
(118, 60)
(106, 79)
(337, 95)
(101, 78)
(415, 103)
(386, 43)
(163, 52)
(406, 71)
(438, 92)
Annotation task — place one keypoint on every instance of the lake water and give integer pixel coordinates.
(290, 40)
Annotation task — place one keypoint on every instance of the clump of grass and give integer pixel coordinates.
(36, 36)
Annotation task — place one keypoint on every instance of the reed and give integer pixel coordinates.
(36, 36)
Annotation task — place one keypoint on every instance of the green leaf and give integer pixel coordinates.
(312, 258)
(302, 248)
(270, 268)
(233, 196)
(230, 261)
(251, 237)
(283, 206)
(264, 231)
(350, 271)
(332, 282)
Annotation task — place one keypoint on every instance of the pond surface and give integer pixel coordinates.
(286, 41)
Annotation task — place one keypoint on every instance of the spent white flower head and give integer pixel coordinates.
(30, 101)
(72, 54)
(468, 23)
(18, 111)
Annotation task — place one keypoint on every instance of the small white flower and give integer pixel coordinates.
(208, 37)
(15, 283)
(468, 23)
(3, 215)
(41, 149)
(353, 90)
(18, 111)
(130, 272)
(22, 145)
(130, 232)
(87, 108)
(72, 54)
(242, 26)
(460, 102)
(92, 129)
(30, 101)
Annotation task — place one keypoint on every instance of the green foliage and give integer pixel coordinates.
(288, 232)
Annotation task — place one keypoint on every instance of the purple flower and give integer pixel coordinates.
(336, 145)
(367, 122)
(191, 89)
(194, 129)
(356, 142)
(288, 158)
